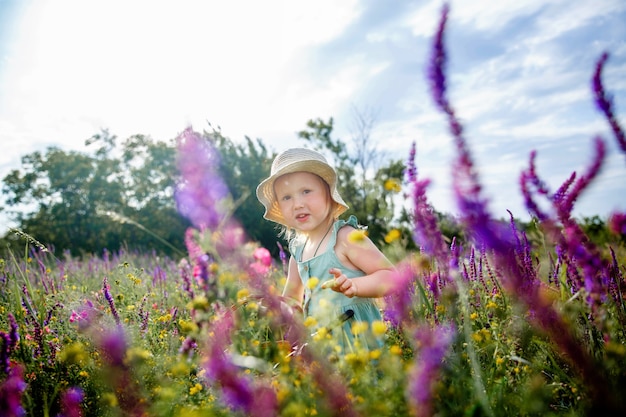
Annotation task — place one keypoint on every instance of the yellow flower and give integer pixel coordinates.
(375, 354)
(394, 234)
(242, 293)
(359, 327)
(312, 283)
(499, 361)
(195, 389)
(310, 321)
(200, 302)
(73, 354)
(379, 328)
(491, 304)
(357, 236)
(164, 318)
(474, 316)
(110, 399)
(396, 350)
(393, 185)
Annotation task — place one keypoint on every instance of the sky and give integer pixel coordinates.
(518, 76)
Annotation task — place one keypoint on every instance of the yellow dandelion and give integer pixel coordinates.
(375, 354)
(312, 283)
(359, 327)
(395, 350)
(491, 305)
(200, 302)
(379, 328)
(392, 235)
(310, 321)
(242, 293)
(357, 236)
(195, 389)
(474, 316)
(165, 318)
(393, 185)
(499, 361)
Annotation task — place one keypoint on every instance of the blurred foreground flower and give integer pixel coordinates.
(201, 194)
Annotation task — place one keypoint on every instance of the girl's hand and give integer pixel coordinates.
(341, 284)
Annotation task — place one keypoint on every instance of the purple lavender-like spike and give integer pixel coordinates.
(109, 298)
(11, 391)
(433, 345)
(566, 206)
(201, 191)
(398, 303)
(617, 223)
(283, 257)
(426, 233)
(9, 341)
(529, 177)
(237, 391)
(605, 102)
(70, 403)
(490, 234)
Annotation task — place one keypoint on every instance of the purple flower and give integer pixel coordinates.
(11, 392)
(399, 301)
(237, 391)
(113, 346)
(109, 298)
(9, 341)
(70, 403)
(201, 192)
(605, 102)
(617, 223)
(432, 345)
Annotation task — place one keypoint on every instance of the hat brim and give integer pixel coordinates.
(266, 195)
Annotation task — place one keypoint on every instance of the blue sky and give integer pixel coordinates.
(519, 78)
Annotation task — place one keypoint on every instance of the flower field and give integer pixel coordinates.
(505, 322)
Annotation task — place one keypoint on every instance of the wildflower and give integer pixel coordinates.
(617, 223)
(393, 185)
(73, 354)
(359, 327)
(201, 193)
(242, 294)
(8, 342)
(11, 391)
(195, 389)
(70, 402)
(107, 296)
(379, 328)
(357, 236)
(604, 102)
(310, 321)
(392, 235)
(433, 346)
(312, 283)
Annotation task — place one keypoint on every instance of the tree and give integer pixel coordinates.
(371, 199)
(85, 202)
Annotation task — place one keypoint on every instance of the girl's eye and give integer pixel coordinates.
(285, 198)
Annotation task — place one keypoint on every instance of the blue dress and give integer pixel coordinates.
(331, 309)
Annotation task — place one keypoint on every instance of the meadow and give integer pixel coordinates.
(507, 321)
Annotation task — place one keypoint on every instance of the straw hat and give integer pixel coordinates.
(297, 160)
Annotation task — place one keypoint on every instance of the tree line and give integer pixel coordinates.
(118, 194)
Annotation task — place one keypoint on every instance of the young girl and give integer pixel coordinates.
(335, 271)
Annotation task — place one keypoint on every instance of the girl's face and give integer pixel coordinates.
(304, 201)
